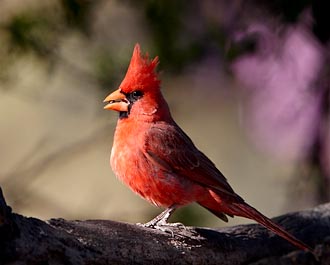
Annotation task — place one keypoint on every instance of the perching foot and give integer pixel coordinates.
(160, 222)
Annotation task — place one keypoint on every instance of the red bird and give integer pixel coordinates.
(156, 159)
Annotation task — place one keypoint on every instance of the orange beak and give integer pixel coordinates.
(116, 101)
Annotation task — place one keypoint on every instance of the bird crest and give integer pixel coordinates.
(141, 73)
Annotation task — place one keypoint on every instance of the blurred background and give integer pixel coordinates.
(247, 80)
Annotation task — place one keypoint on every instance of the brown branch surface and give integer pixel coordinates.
(31, 241)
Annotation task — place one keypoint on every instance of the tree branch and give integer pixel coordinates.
(57, 241)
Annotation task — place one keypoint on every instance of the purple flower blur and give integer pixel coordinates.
(281, 103)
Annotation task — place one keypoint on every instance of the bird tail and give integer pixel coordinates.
(245, 210)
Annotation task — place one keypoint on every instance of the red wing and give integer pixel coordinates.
(169, 147)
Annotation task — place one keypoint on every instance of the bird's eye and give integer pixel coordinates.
(137, 94)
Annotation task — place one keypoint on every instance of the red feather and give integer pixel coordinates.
(156, 159)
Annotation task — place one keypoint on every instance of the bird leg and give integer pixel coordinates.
(162, 218)
(160, 221)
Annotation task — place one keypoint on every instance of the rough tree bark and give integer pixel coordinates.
(26, 240)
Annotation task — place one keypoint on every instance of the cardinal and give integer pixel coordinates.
(154, 157)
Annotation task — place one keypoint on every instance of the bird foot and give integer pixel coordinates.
(160, 222)
(163, 226)
(177, 225)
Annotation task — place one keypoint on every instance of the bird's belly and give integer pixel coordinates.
(161, 190)
(153, 183)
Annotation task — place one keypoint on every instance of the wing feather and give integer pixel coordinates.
(171, 149)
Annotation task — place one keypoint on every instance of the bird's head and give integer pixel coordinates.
(139, 93)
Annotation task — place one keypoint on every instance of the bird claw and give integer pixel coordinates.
(177, 225)
(163, 226)
(164, 229)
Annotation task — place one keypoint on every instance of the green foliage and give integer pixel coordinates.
(28, 32)
(174, 42)
(109, 68)
(77, 13)
(179, 31)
